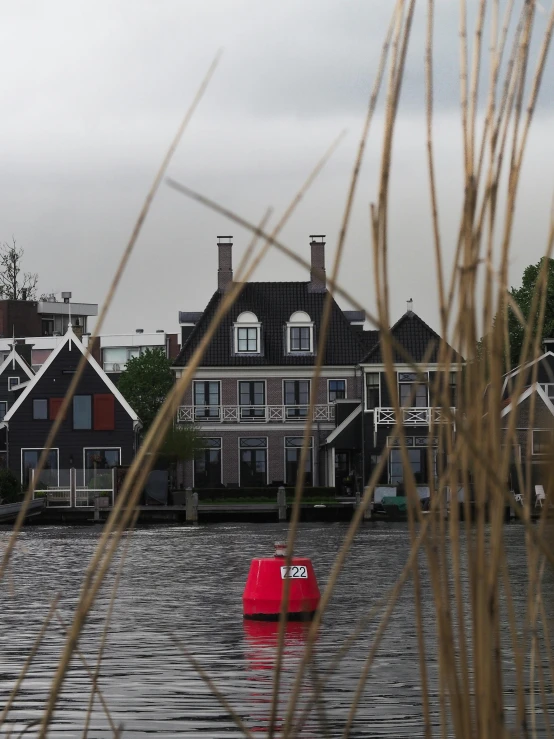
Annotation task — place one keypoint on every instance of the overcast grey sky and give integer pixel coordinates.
(92, 93)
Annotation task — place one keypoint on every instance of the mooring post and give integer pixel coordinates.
(191, 501)
(97, 509)
(73, 487)
(195, 508)
(282, 503)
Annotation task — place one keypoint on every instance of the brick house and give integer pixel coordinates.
(250, 395)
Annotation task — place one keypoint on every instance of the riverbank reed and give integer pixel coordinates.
(476, 629)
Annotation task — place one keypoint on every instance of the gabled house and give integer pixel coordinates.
(365, 430)
(250, 396)
(534, 426)
(15, 372)
(98, 432)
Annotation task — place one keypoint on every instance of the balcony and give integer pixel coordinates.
(413, 416)
(253, 413)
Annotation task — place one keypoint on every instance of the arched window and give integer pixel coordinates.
(300, 334)
(246, 331)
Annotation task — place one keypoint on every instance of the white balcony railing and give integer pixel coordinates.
(413, 416)
(252, 413)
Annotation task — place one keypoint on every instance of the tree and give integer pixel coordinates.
(180, 445)
(10, 487)
(145, 383)
(14, 283)
(523, 296)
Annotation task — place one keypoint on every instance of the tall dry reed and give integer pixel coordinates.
(472, 300)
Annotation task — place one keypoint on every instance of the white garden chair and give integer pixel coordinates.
(540, 496)
(519, 498)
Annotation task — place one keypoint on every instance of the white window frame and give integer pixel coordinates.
(254, 419)
(311, 448)
(250, 321)
(219, 417)
(100, 449)
(284, 396)
(40, 449)
(417, 382)
(5, 403)
(336, 379)
(300, 319)
(17, 382)
(132, 351)
(220, 459)
(373, 372)
(540, 454)
(255, 436)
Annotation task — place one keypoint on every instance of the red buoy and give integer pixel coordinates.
(264, 587)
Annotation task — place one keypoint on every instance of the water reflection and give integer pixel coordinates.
(262, 639)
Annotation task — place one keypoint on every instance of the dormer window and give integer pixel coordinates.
(300, 334)
(247, 334)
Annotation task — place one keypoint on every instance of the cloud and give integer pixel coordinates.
(92, 94)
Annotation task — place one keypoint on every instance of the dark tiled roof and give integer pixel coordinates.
(187, 316)
(369, 339)
(273, 303)
(357, 316)
(416, 337)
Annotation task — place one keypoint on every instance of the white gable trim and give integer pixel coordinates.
(343, 425)
(72, 340)
(533, 388)
(521, 367)
(13, 355)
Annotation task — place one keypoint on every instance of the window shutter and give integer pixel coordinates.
(104, 412)
(55, 405)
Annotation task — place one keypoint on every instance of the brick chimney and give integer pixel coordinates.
(225, 263)
(318, 282)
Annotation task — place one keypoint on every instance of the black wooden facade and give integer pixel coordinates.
(113, 424)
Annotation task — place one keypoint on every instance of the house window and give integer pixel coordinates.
(252, 400)
(247, 334)
(543, 441)
(337, 390)
(207, 464)
(39, 357)
(13, 382)
(293, 452)
(49, 477)
(3, 409)
(47, 326)
(300, 334)
(82, 412)
(40, 409)
(98, 465)
(416, 459)
(207, 399)
(373, 397)
(253, 462)
(297, 398)
(114, 359)
(412, 391)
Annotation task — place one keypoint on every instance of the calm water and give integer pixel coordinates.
(187, 583)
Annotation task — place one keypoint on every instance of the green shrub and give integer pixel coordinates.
(10, 487)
